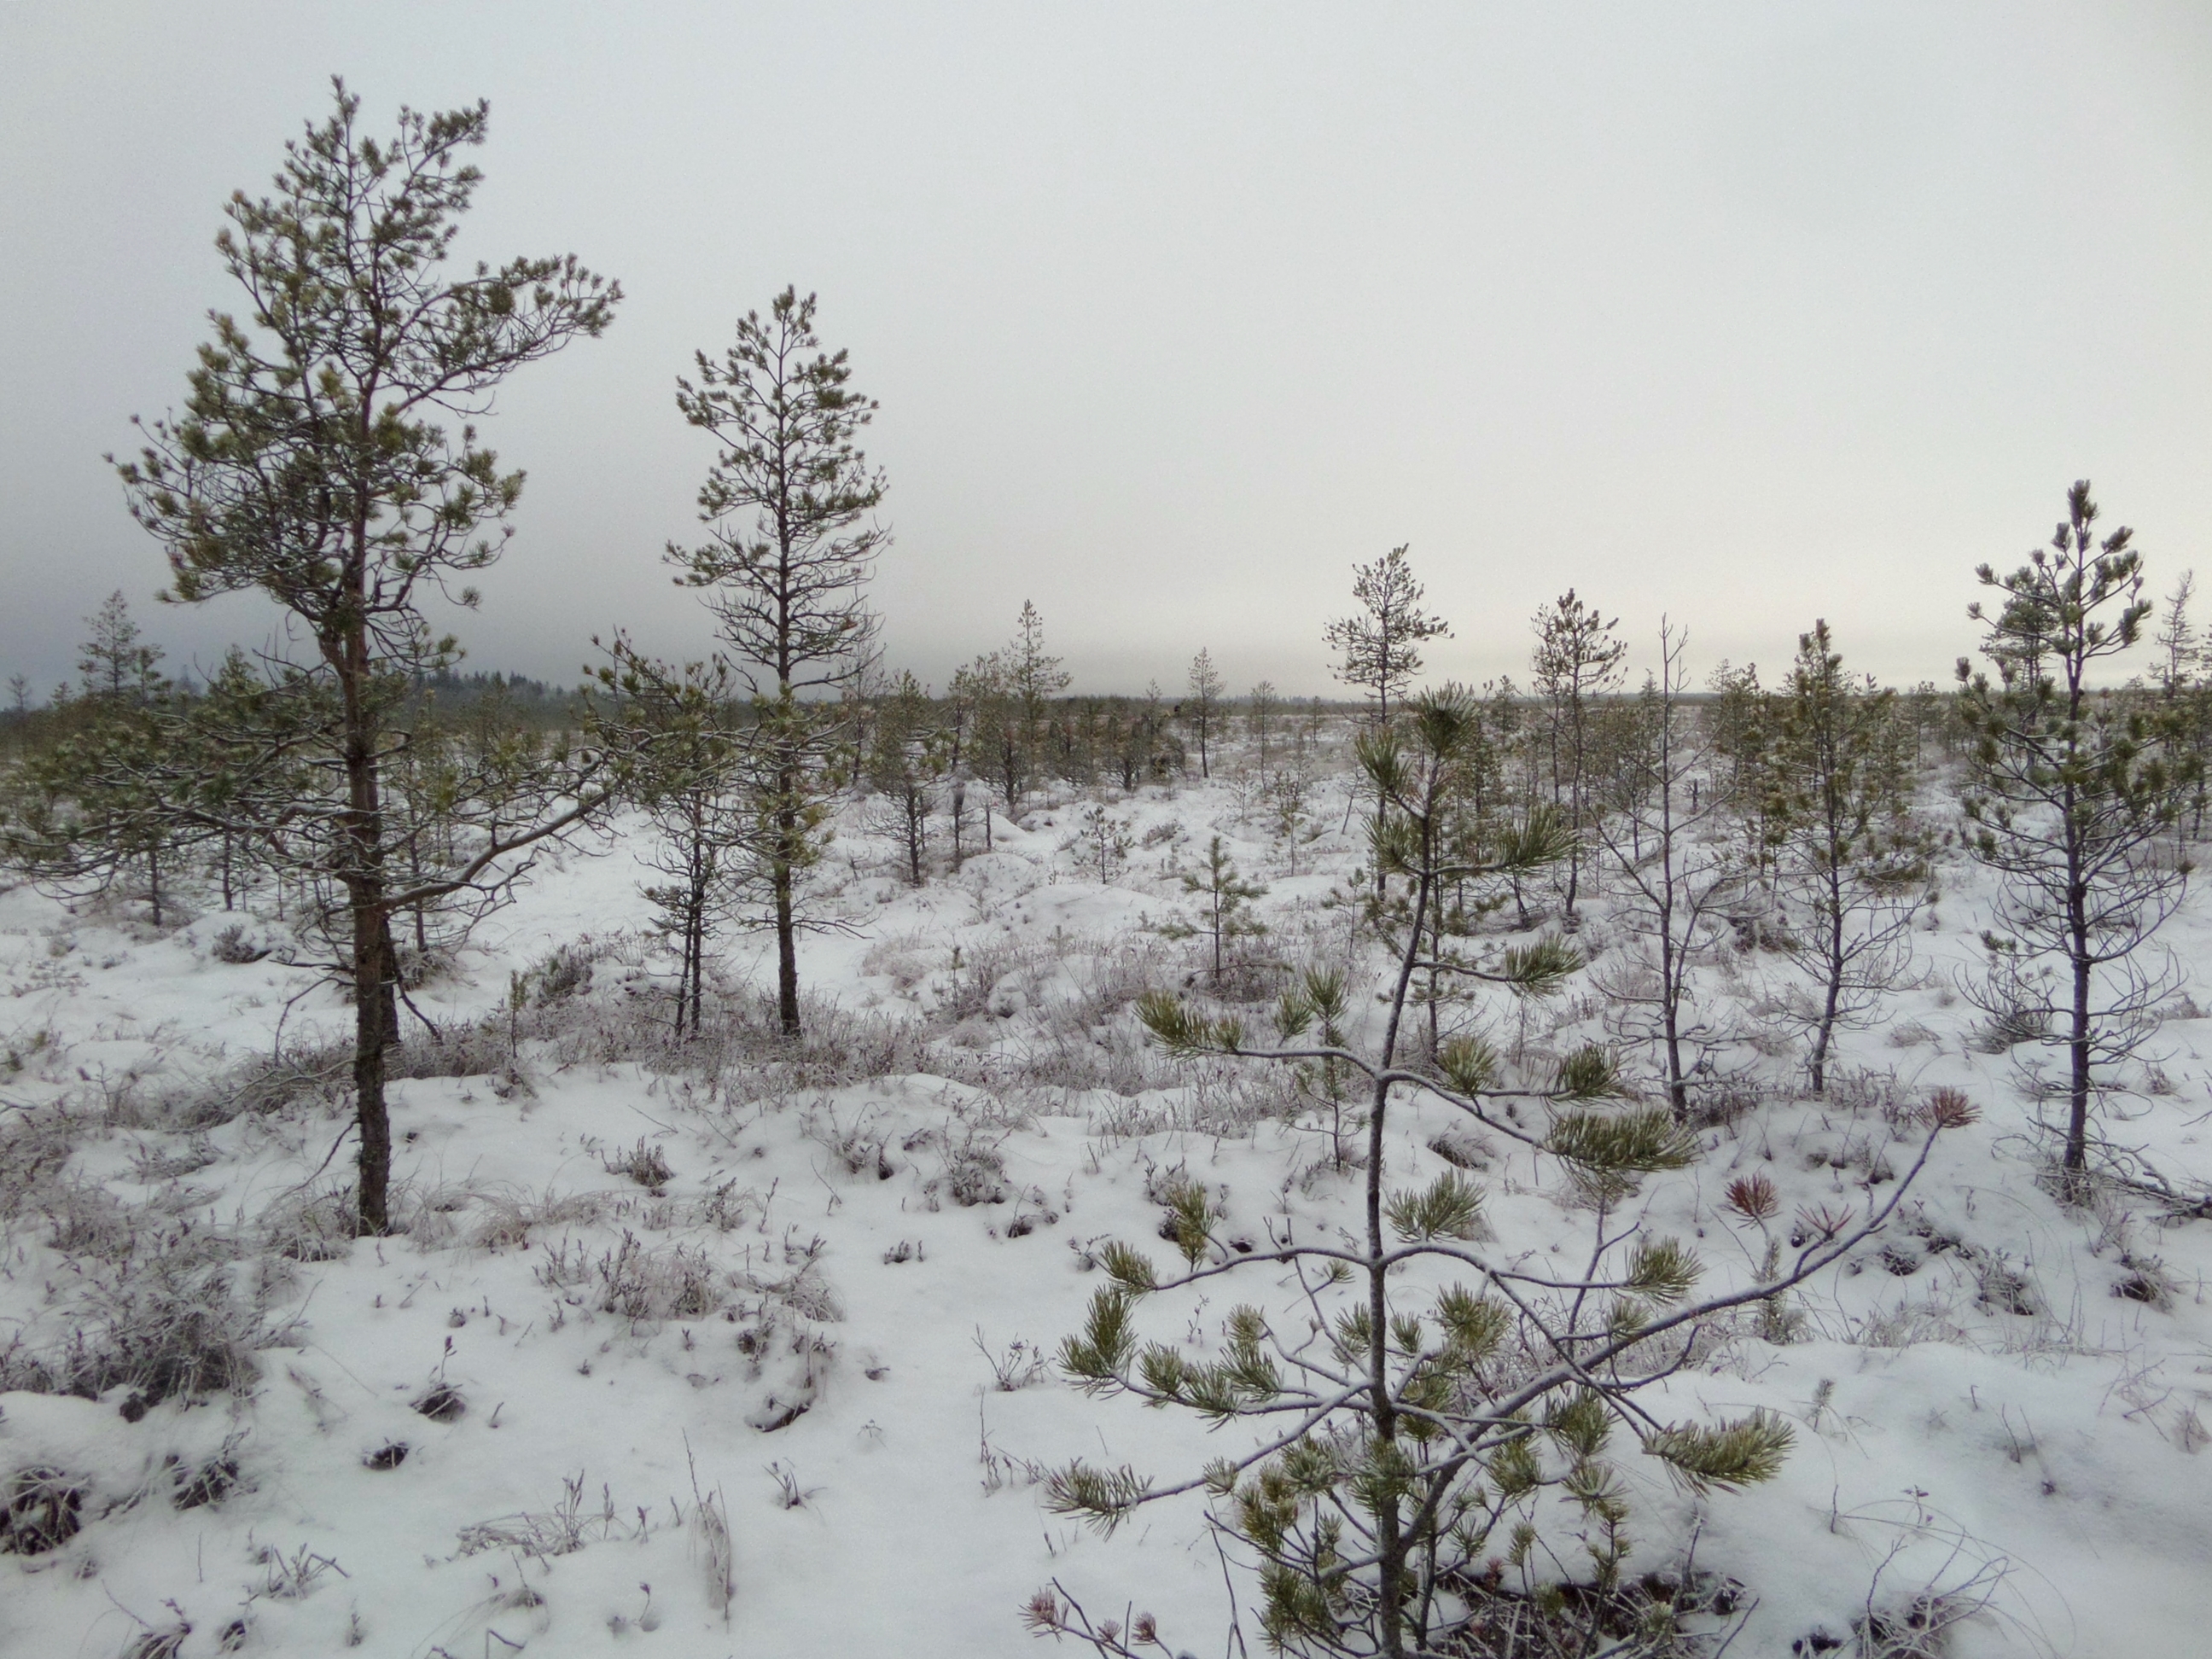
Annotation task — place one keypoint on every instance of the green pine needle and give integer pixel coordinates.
(1588, 1074)
(1474, 1324)
(1541, 970)
(1729, 1455)
(1470, 1064)
(1096, 1358)
(1451, 1207)
(1128, 1267)
(1102, 1497)
(1662, 1270)
(1623, 1143)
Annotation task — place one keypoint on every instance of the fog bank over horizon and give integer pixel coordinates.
(1736, 314)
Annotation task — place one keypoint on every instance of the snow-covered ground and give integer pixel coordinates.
(825, 1334)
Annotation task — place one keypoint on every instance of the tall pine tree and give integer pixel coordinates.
(313, 463)
(784, 568)
(2070, 793)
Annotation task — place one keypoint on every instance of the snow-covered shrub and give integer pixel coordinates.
(414, 966)
(1109, 976)
(720, 1551)
(208, 1481)
(636, 1281)
(160, 1642)
(170, 1326)
(906, 958)
(260, 1086)
(977, 974)
(644, 1163)
(34, 1147)
(782, 1335)
(2007, 1024)
(1463, 1148)
(508, 1219)
(562, 1529)
(1018, 1365)
(42, 1510)
(151, 1163)
(442, 1402)
(312, 1226)
(1070, 1062)
(89, 1221)
(740, 1048)
(234, 945)
(678, 1283)
(974, 1173)
(860, 1146)
(566, 971)
(482, 1049)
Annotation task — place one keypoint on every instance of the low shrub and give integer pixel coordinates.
(43, 1511)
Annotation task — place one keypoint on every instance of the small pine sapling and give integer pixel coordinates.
(1222, 894)
(1380, 650)
(1426, 1439)
(2070, 794)
(1849, 858)
(1578, 661)
(1261, 704)
(912, 752)
(1288, 791)
(1318, 1003)
(686, 751)
(1104, 841)
(1431, 775)
(1029, 679)
(1202, 707)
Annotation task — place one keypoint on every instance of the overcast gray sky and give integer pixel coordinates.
(1745, 312)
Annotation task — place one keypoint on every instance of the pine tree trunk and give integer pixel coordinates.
(1389, 1542)
(1835, 989)
(1670, 995)
(787, 940)
(1390, 1549)
(1672, 965)
(1434, 914)
(2077, 1117)
(369, 976)
(1574, 802)
(2079, 949)
(375, 1016)
(687, 964)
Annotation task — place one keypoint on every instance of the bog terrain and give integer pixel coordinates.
(733, 1346)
